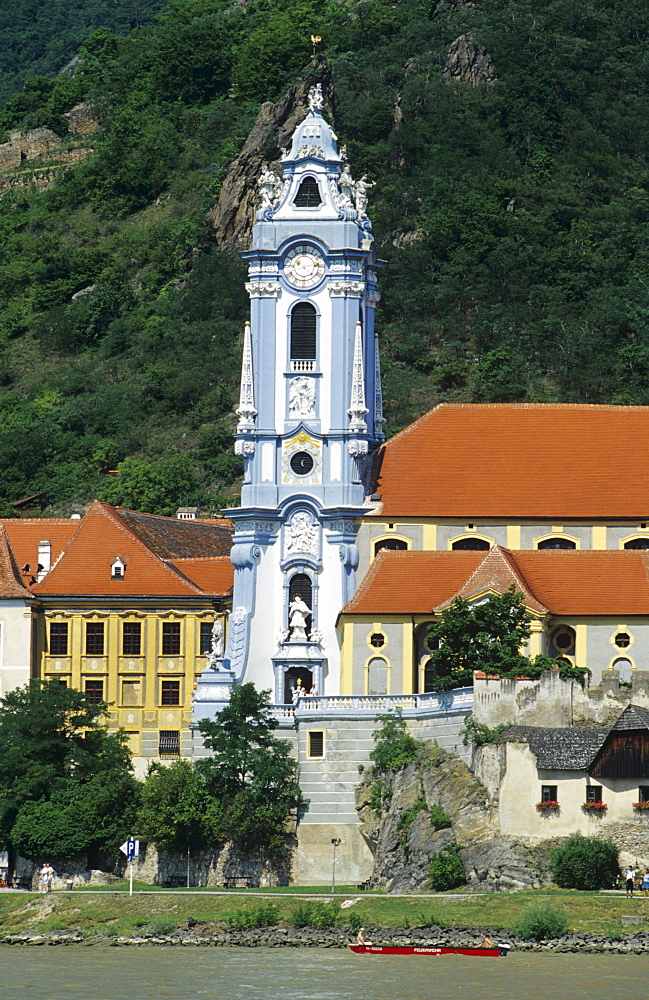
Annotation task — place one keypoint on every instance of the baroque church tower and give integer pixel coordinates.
(310, 417)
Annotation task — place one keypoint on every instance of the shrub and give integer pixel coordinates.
(407, 818)
(430, 921)
(479, 733)
(264, 915)
(540, 921)
(439, 818)
(380, 794)
(314, 913)
(355, 921)
(585, 863)
(395, 748)
(163, 926)
(446, 869)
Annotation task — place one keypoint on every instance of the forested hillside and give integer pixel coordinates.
(508, 141)
(42, 36)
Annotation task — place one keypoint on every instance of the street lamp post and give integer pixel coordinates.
(336, 844)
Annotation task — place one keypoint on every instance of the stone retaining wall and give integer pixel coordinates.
(290, 937)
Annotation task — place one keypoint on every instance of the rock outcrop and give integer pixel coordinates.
(82, 119)
(469, 62)
(234, 214)
(403, 839)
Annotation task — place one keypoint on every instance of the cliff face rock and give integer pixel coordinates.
(402, 850)
(502, 864)
(468, 62)
(402, 853)
(234, 214)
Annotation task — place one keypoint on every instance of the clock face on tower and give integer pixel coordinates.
(304, 266)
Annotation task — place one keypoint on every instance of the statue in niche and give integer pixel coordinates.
(361, 188)
(301, 535)
(301, 397)
(298, 612)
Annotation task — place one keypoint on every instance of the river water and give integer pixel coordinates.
(184, 973)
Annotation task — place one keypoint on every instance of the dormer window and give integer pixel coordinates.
(308, 195)
(117, 569)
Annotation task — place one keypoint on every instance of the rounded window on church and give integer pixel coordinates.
(556, 542)
(377, 639)
(622, 639)
(302, 463)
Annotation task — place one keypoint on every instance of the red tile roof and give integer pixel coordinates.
(214, 575)
(565, 581)
(107, 533)
(546, 461)
(10, 585)
(24, 534)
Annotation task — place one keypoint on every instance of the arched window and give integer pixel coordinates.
(303, 332)
(470, 544)
(624, 668)
(637, 543)
(393, 544)
(556, 543)
(377, 681)
(308, 195)
(429, 677)
(301, 584)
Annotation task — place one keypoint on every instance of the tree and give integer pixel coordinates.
(177, 812)
(585, 863)
(394, 747)
(65, 782)
(486, 636)
(251, 774)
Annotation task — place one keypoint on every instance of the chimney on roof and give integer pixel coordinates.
(44, 558)
(187, 513)
(75, 517)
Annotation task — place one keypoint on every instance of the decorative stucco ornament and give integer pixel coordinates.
(316, 100)
(301, 397)
(301, 536)
(270, 187)
(361, 188)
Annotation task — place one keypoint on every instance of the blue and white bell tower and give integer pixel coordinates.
(309, 414)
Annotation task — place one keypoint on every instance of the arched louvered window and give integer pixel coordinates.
(303, 332)
(637, 543)
(308, 195)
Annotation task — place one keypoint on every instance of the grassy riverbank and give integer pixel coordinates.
(113, 914)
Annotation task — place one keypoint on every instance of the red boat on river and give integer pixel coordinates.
(498, 951)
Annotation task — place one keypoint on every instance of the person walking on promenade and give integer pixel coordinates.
(46, 874)
(645, 882)
(629, 875)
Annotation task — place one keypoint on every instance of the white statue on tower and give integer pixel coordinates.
(299, 611)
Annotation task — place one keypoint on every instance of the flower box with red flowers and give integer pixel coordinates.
(641, 805)
(547, 806)
(597, 806)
